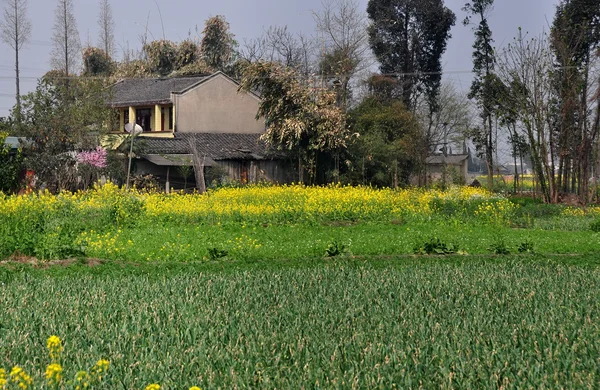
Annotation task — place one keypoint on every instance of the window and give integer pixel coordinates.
(143, 118)
(125, 117)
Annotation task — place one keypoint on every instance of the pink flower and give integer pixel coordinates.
(95, 158)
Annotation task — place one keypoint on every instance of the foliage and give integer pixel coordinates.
(485, 82)
(297, 117)
(187, 54)
(162, 56)
(334, 249)
(58, 119)
(145, 183)
(132, 69)
(217, 46)
(97, 63)
(595, 226)
(388, 149)
(11, 164)
(408, 37)
(575, 40)
(435, 246)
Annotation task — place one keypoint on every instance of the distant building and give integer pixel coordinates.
(438, 162)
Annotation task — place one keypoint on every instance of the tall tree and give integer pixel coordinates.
(15, 31)
(484, 80)
(408, 37)
(389, 147)
(525, 98)
(575, 37)
(217, 47)
(65, 39)
(343, 27)
(106, 23)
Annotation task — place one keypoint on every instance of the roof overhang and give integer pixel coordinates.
(175, 160)
(140, 103)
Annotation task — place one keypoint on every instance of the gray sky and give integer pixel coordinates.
(248, 19)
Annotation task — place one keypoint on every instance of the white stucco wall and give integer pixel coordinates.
(215, 106)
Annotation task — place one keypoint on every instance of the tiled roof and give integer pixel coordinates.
(450, 159)
(149, 91)
(217, 146)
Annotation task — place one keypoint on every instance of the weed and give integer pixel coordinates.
(435, 246)
(525, 247)
(499, 247)
(335, 248)
(216, 253)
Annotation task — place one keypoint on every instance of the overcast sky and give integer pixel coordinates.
(248, 19)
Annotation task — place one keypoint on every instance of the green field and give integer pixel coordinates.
(409, 322)
(302, 287)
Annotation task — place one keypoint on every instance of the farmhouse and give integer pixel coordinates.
(207, 110)
(438, 163)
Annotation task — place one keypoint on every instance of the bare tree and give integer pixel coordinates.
(65, 39)
(450, 123)
(106, 39)
(279, 45)
(345, 43)
(293, 51)
(16, 30)
(525, 69)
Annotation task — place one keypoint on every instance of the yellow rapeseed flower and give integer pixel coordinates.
(82, 380)
(54, 374)
(19, 377)
(55, 347)
(154, 386)
(195, 388)
(99, 369)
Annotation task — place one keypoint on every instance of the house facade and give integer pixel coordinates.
(438, 164)
(209, 111)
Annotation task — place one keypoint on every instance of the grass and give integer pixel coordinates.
(464, 322)
(193, 243)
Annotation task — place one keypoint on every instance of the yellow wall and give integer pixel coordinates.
(121, 119)
(131, 115)
(157, 118)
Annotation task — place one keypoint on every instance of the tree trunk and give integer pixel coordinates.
(198, 162)
(489, 154)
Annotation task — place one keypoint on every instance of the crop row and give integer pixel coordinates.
(511, 324)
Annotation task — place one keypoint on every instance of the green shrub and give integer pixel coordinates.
(435, 246)
(595, 226)
(335, 248)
